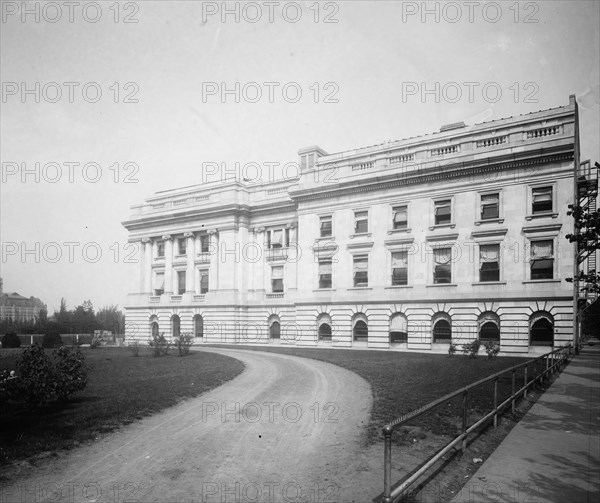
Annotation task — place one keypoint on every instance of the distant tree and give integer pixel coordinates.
(41, 320)
(111, 318)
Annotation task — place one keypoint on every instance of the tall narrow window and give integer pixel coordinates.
(442, 269)
(361, 222)
(361, 270)
(541, 200)
(181, 282)
(181, 246)
(198, 326)
(275, 238)
(489, 263)
(175, 326)
(160, 249)
(159, 283)
(443, 212)
(400, 220)
(277, 279)
(490, 206)
(542, 259)
(204, 243)
(203, 281)
(399, 268)
(325, 226)
(325, 266)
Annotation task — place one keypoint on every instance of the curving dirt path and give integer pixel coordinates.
(286, 429)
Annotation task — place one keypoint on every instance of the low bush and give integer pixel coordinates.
(52, 340)
(41, 381)
(452, 349)
(96, 341)
(134, 347)
(70, 371)
(159, 345)
(183, 343)
(472, 348)
(492, 349)
(36, 376)
(11, 340)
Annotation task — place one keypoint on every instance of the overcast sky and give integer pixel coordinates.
(361, 68)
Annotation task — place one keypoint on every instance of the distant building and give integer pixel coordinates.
(17, 308)
(410, 245)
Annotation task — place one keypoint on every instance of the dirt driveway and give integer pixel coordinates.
(286, 429)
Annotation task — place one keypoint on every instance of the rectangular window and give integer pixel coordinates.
(400, 217)
(180, 282)
(542, 259)
(159, 283)
(203, 281)
(443, 212)
(489, 263)
(277, 279)
(442, 269)
(181, 246)
(160, 249)
(275, 238)
(361, 270)
(204, 243)
(490, 206)
(541, 200)
(361, 222)
(399, 268)
(325, 226)
(325, 267)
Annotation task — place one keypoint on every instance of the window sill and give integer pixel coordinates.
(441, 285)
(542, 281)
(399, 231)
(393, 287)
(490, 221)
(324, 290)
(547, 214)
(360, 235)
(442, 226)
(325, 238)
(492, 283)
(360, 288)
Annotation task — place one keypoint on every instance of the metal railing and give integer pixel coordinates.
(548, 364)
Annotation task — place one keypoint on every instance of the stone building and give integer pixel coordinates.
(410, 245)
(17, 308)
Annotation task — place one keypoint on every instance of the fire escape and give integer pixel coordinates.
(587, 193)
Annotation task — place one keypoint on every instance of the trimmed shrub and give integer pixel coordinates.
(183, 343)
(11, 340)
(452, 349)
(159, 345)
(37, 376)
(134, 347)
(492, 349)
(96, 341)
(472, 348)
(70, 371)
(52, 340)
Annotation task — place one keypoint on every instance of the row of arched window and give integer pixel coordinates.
(541, 327)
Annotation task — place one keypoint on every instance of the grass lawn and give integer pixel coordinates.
(121, 388)
(402, 382)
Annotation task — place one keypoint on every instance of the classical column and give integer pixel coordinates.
(213, 271)
(191, 255)
(260, 269)
(168, 239)
(147, 251)
(293, 257)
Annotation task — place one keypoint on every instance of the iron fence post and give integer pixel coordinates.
(512, 404)
(525, 382)
(387, 466)
(463, 446)
(495, 402)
